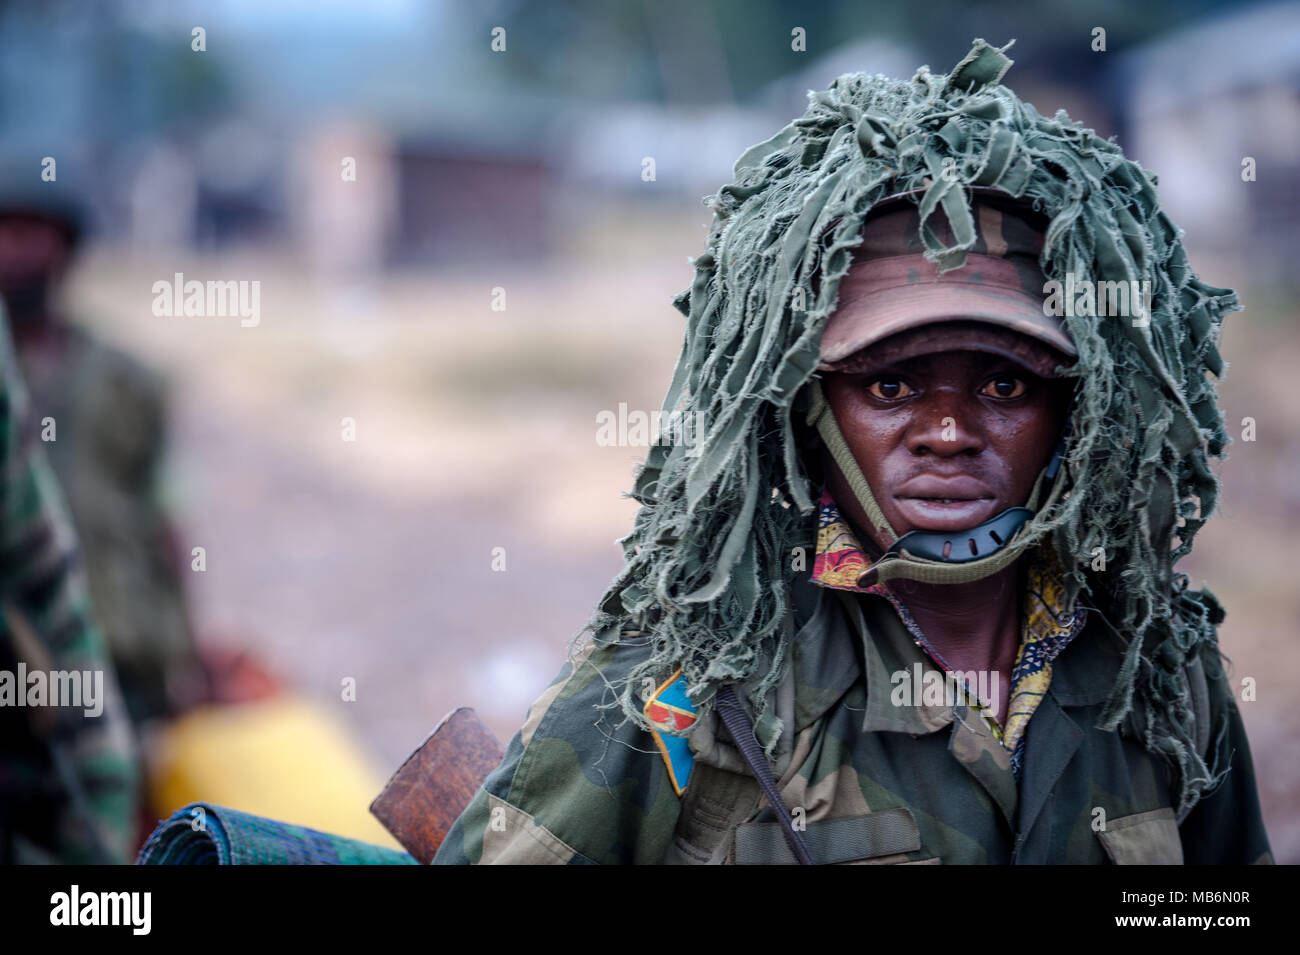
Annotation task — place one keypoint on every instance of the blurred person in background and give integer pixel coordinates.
(104, 416)
(98, 416)
(69, 776)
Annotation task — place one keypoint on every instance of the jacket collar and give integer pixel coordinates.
(894, 664)
(846, 635)
(1086, 671)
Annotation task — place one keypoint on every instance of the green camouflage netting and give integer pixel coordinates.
(709, 559)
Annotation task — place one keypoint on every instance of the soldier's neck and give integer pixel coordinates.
(972, 625)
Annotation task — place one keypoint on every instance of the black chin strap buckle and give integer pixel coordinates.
(962, 547)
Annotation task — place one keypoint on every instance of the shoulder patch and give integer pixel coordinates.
(671, 709)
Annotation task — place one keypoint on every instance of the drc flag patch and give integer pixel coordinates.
(671, 709)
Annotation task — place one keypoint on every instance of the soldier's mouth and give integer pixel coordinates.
(945, 513)
(946, 501)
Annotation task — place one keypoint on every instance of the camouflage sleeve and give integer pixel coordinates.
(1227, 827)
(115, 491)
(72, 783)
(579, 784)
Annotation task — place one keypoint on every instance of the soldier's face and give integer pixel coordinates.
(31, 249)
(945, 440)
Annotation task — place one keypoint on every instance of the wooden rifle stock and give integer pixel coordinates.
(435, 784)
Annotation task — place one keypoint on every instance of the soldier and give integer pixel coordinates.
(106, 415)
(989, 658)
(69, 780)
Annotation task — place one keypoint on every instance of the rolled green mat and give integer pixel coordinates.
(204, 834)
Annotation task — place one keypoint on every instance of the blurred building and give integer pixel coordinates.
(1198, 111)
(471, 199)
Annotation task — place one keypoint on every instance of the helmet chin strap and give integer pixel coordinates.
(938, 557)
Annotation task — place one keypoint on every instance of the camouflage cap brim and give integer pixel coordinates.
(928, 339)
(875, 314)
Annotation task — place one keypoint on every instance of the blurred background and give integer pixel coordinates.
(462, 257)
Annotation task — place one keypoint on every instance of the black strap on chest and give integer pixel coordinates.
(742, 731)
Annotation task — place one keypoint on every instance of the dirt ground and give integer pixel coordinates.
(476, 430)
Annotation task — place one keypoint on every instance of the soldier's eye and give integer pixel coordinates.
(1004, 386)
(889, 388)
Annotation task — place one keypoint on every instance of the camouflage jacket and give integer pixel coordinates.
(110, 412)
(69, 782)
(870, 781)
